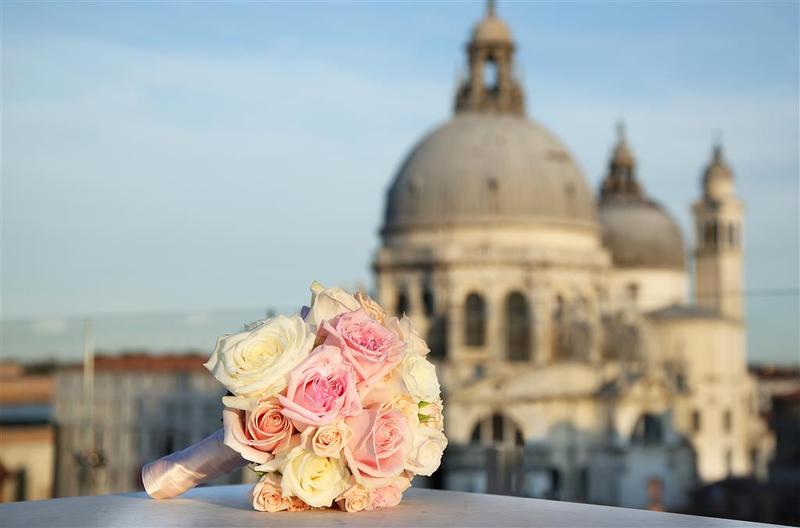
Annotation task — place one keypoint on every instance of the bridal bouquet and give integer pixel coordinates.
(334, 406)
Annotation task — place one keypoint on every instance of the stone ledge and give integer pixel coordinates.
(230, 506)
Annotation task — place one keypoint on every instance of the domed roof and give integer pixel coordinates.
(640, 234)
(637, 231)
(488, 167)
(491, 29)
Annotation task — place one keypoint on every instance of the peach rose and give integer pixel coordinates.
(354, 499)
(296, 504)
(371, 307)
(255, 430)
(321, 389)
(377, 451)
(370, 347)
(329, 440)
(267, 495)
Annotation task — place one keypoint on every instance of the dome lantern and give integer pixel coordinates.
(490, 85)
(621, 179)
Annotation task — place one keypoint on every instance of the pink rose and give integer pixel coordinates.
(256, 432)
(376, 453)
(321, 389)
(384, 497)
(390, 495)
(370, 347)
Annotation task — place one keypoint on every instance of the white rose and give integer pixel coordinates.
(414, 344)
(327, 303)
(426, 451)
(254, 364)
(316, 480)
(419, 377)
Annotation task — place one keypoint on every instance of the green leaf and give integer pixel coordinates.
(423, 404)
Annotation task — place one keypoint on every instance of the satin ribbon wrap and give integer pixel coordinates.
(179, 472)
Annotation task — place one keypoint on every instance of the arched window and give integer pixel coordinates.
(714, 234)
(559, 335)
(491, 75)
(727, 421)
(475, 309)
(497, 430)
(648, 431)
(518, 331)
(437, 336)
(427, 301)
(401, 307)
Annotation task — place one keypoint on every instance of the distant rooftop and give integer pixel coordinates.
(144, 362)
(682, 311)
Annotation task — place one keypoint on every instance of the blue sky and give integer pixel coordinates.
(200, 156)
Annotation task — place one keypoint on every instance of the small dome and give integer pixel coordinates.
(637, 231)
(491, 29)
(484, 168)
(640, 234)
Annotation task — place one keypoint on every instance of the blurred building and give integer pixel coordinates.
(144, 407)
(778, 499)
(575, 364)
(26, 435)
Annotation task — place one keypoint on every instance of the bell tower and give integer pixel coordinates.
(490, 85)
(718, 216)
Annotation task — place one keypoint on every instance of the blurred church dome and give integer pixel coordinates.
(485, 167)
(489, 163)
(637, 231)
(491, 29)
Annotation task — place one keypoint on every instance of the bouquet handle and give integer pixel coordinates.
(179, 472)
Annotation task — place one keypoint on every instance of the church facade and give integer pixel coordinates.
(574, 363)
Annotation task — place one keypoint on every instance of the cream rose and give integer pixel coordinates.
(426, 452)
(406, 405)
(388, 388)
(431, 414)
(254, 364)
(327, 303)
(355, 499)
(316, 480)
(413, 343)
(419, 376)
(329, 440)
(267, 495)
